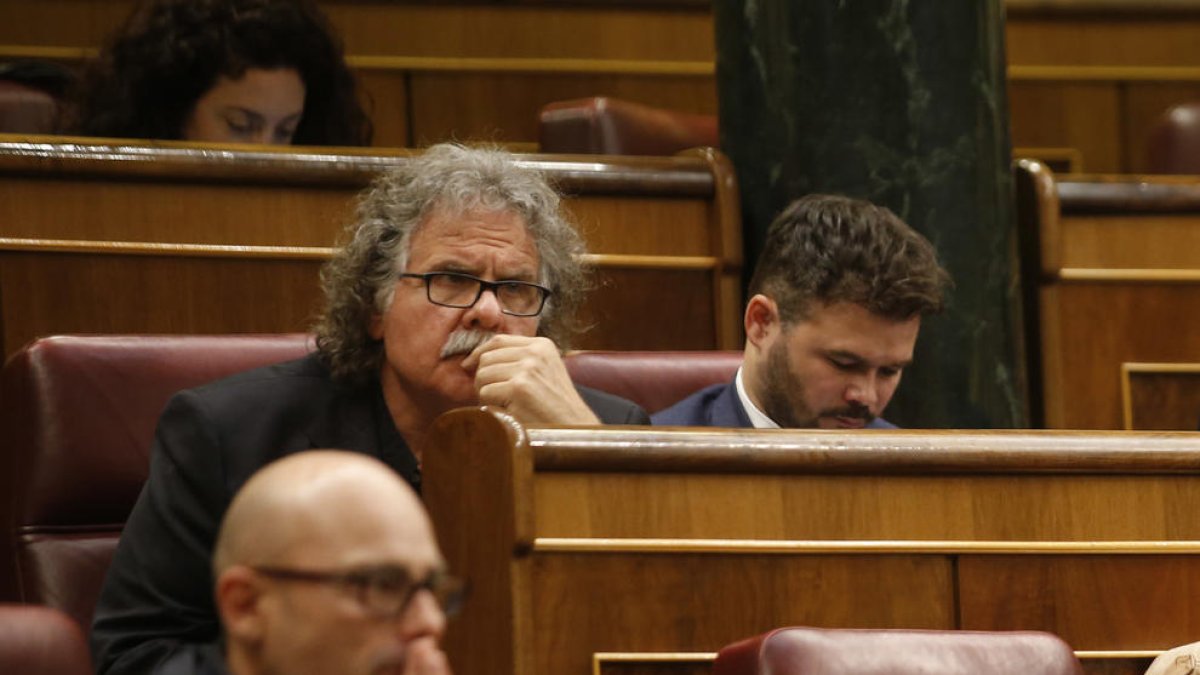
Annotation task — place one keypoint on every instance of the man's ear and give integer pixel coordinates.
(761, 320)
(239, 595)
(375, 327)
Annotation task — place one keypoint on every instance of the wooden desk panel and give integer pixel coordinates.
(664, 233)
(1112, 276)
(602, 542)
(1087, 76)
(1161, 395)
(47, 293)
(676, 602)
(1094, 602)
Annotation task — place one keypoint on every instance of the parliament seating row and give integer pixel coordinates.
(1086, 78)
(36, 640)
(166, 238)
(621, 550)
(1111, 268)
(643, 550)
(170, 239)
(77, 422)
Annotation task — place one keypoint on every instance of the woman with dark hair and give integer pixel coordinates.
(248, 71)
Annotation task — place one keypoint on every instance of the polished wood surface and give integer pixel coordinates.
(1161, 395)
(178, 239)
(669, 541)
(1089, 76)
(1112, 268)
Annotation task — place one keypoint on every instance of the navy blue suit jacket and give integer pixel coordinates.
(719, 406)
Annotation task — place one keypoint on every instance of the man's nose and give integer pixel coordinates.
(485, 314)
(423, 617)
(864, 390)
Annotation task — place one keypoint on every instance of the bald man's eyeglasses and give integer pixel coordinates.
(454, 289)
(386, 591)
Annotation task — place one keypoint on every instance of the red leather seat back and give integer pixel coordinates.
(609, 126)
(653, 380)
(25, 109)
(806, 651)
(78, 421)
(1173, 145)
(41, 641)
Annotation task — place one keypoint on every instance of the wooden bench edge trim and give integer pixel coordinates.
(80, 247)
(174, 162)
(1129, 195)
(85, 247)
(811, 452)
(1124, 275)
(667, 546)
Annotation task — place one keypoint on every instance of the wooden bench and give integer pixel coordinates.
(167, 238)
(639, 550)
(1085, 77)
(1112, 274)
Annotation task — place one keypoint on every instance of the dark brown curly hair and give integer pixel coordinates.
(827, 249)
(147, 78)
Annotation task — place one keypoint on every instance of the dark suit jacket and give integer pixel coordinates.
(158, 592)
(719, 406)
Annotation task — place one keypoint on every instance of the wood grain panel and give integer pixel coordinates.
(1161, 395)
(867, 508)
(1118, 241)
(630, 31)
(385, 95)
(666, 246)
(631, 589)
(48, 293)
(1084, 116)
(504, 106)
(1092, 602)
(1099, 326)
(1101, 38)
(175, 211)
(650, 309)
(666, 226)
(588, 603)
(651, 663)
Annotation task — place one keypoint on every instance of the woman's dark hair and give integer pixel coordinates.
(148, 77)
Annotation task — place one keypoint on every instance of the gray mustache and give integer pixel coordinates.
(464, 341)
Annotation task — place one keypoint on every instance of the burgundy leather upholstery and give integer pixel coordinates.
(653, 380)
(41, 641)
(25, 109)
(609, 126)
(1173, 145)
(817, 651)
(78, 419)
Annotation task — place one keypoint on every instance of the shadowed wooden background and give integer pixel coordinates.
(1086, 78)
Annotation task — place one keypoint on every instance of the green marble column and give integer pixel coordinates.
(901, 102)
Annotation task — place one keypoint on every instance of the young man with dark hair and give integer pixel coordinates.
(835, 307)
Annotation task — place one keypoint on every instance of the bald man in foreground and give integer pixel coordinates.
(326, 563)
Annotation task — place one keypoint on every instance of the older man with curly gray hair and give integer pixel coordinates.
(456, 287)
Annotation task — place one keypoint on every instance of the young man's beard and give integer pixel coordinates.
(783, 396)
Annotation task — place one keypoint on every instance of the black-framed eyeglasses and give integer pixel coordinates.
(454, 289)
(386, 591)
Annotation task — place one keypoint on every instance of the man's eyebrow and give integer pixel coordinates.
(852, 356)
(843, 354)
